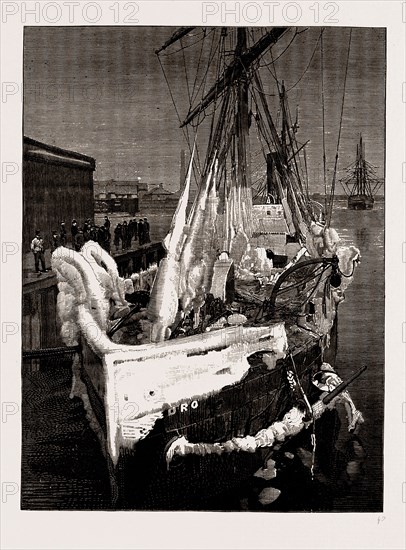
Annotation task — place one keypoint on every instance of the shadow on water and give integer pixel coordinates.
(293, 480)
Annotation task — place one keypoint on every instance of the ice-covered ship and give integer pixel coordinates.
(231, 353)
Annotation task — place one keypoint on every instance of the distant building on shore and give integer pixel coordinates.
(159, 199)
(57, 186)
(119, 196)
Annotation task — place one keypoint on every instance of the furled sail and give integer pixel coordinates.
(164, 300)
(197, 258)
(184, 276)
(174, 239)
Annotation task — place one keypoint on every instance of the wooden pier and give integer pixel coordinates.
(39, 319)
(133, 260)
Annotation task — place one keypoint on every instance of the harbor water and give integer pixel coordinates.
(63, 467)
(362, 342)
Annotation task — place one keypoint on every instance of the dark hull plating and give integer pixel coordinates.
(141, 478)
(360, 202)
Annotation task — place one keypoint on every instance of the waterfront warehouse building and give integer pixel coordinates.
(57, 186)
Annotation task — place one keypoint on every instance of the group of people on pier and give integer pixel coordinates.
(124, 234)
(81, 234)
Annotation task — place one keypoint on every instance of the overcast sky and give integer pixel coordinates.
(100, 91)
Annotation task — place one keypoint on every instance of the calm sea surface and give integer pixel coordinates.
(361, 339)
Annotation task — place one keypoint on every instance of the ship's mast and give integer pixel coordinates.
(361, 176)
(361, 168)
(282, 97)
(238, 68)
(364, 187)
(243, 144)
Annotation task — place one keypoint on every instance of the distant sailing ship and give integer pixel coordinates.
(361, 183)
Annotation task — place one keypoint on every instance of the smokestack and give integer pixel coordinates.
(182, 169)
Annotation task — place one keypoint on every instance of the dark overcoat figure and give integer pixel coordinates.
(93, 233)
(86, 230)
(130, 232)
(117, 235)
(124, 231)
(74, 230)
(55, 241)
(141, 236)
(135, 229)
(79, 240)
(62, 234)
(146, 231)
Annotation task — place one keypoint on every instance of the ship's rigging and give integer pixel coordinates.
(231, 299)
(361, 182)
(235, 102)
(226, 96)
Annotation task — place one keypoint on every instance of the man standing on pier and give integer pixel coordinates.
(130, 232)
(62, 234)
(56, 241)
(117, 235)
(135, 230)
(79, 240)
(141, 236)
(124, 233)
(74, 231)
(146, 231)
(37, 247)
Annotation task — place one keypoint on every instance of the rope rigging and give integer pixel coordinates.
(198, 67)
(330, 212)
(212, 52)
(324, 125)
(286, 146)
(201, 117)
(173, 52)
(310, 62)
(272, 63)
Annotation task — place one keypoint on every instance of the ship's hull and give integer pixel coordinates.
(187, 418)
(141, 478)
(360, 202)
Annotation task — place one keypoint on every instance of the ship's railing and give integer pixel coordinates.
(49, 357)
